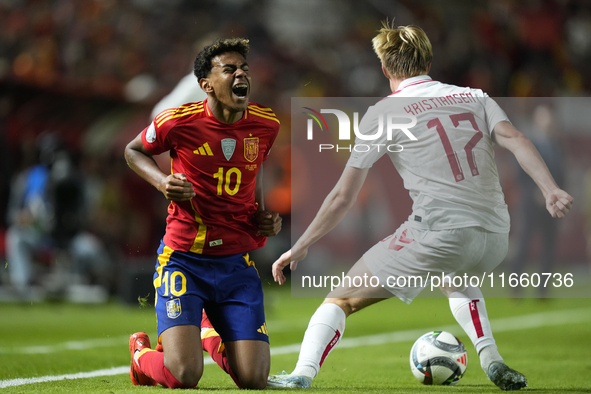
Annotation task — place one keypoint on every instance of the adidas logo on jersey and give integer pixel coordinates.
(204, 150)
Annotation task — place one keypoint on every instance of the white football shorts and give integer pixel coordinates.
(411, 252)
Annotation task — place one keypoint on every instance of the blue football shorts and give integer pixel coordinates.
(227, 287)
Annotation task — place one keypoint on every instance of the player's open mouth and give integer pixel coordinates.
(240, 90)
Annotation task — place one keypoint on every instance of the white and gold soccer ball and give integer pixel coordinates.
(438, 358)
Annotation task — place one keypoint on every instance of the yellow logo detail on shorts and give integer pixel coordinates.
(263, 329)
(173, 308)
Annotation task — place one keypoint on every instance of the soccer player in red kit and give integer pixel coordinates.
(215, 217)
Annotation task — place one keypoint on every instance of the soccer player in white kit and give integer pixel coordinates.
(459, 222)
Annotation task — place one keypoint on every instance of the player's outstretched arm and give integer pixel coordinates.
(333, 210)
(175, 187)
(558, 202)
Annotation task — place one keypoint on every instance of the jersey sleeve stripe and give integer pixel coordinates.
(260, 108)
(178, 115)
(182, 108)
(189, 105)
(165, 113)
(260, 111)
(264, 116)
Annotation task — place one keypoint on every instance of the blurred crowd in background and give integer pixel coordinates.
(79, 79)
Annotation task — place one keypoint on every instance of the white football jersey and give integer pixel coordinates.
(449, 170)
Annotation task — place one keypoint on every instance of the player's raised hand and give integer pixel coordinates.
(268, 222)
(279, 265)
(558, 203)
(175, 187)
(285, 259)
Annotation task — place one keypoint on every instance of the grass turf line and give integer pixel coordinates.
(557, 352)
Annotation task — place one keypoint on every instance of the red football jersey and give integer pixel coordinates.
(221, 160)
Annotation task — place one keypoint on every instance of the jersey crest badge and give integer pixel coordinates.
(251, 148)
(228, 146)
(173, 308)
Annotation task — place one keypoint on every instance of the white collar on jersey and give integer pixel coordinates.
(413, 81)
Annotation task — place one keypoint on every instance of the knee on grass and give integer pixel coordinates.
(254, 381)
(187, 375)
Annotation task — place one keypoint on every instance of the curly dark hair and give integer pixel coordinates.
(202, 65)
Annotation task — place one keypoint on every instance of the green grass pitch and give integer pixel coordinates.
(546, 340)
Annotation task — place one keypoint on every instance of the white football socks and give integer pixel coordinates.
(488, 355)
(324, 331)
(469, 309)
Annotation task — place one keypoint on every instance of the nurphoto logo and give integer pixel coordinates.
(387, 121)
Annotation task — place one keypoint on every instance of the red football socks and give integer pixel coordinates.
(152, 364)
(212, 343)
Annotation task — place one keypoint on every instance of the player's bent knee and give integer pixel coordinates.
(256, 381)
(250, 361)
(254, 376)
(189, 378)
(187, 375)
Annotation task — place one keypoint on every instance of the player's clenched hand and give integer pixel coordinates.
(558, 203)
(175, 187)
(285, 259)
(268, 222)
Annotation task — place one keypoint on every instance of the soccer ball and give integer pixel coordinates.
(438, 358)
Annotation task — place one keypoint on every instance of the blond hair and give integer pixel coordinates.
(405, 51)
